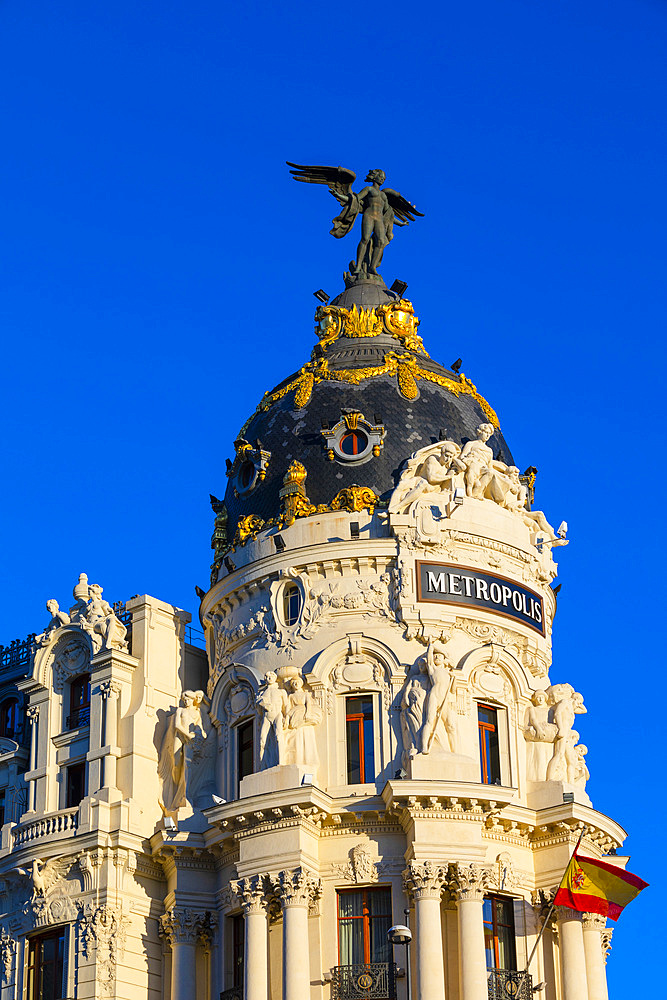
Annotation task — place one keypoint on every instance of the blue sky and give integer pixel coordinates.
(158, 264)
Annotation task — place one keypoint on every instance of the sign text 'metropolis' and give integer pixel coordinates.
(472, 588)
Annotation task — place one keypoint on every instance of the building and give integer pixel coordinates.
(374, 734)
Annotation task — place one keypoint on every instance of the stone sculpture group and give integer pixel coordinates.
(553, 750)
(472, 471)
(288, 718)
(92, 614)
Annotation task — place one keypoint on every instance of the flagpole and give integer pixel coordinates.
(522, 975)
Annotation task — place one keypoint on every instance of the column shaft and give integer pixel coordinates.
(183, 970)
(472, 955)
(296, 964)
(256, 965)
(572, 955)
(430, 967)
(596, 974)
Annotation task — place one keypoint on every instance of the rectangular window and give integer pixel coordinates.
(76, 784)
(359, 739)
(245, 756)
(79, 702)
(487, 720)
(364, 917)
(47, 972)
(499, 933)
(238, 949)
(2, 807)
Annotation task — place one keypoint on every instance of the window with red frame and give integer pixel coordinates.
(489, 752)
(359, 739)
(499, 938)
(364, 917)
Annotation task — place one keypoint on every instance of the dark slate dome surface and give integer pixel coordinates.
(289, 431)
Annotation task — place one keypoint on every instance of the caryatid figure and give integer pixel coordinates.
(438, 670)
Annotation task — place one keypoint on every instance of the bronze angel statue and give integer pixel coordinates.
(381, 209)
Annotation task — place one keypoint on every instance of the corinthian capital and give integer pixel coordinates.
(181, 925)
(296, 887)
(594, 921)
(469, 881)
(252, 892)
(424, 880)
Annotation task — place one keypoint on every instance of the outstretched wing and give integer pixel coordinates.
(54, 869)
(404, 211)
(339, 180)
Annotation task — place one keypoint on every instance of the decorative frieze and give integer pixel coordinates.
(103, 935)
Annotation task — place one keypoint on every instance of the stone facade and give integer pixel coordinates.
(375, 727)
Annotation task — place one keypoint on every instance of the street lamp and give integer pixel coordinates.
(401, 934)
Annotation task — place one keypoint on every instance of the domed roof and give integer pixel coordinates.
(369, 397)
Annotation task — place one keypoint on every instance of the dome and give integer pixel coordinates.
(369, 397)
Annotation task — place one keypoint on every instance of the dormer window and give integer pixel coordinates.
(79, 702)
(291, 604)
(353, 438)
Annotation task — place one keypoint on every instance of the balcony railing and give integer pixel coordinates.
(79, 717)
(236, 993)
(60, 824)
(507, 985)
(355, 982)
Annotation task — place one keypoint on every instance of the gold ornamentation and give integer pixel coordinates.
(397, 319)
(317, 371)
(355, 498)
(352, 420)
(406, 382)
(248, 528)
(304, 390)
(361, 322)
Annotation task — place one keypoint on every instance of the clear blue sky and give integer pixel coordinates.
(158, 264)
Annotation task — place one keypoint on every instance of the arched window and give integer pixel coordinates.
(79, 702)
(9, 711)
(291, 604)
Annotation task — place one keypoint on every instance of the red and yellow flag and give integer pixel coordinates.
(591, 886)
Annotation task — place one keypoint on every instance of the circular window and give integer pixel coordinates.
(246, 474)
(291, 604)
(353, 443)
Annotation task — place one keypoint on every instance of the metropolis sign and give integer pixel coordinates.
(471, 588)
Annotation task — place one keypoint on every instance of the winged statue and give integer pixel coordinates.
(381, 208)
(44, 874)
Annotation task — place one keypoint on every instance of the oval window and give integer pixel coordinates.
(353, 443)
(246, 474)
(291, 604)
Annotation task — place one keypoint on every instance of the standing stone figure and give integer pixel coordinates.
(302, 714)
(438, 670)
(539, 734)
(272, 702)
(184, 753)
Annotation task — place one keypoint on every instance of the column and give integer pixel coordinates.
(468, 885)
(593, 926)
(424, 882)
(32, 715)
(185, 928)
(295, 888)
(251, 892)
(109, 691)
(572, 955)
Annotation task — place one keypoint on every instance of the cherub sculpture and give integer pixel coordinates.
(380, 208)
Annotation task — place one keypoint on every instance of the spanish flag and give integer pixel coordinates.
(591, 886)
